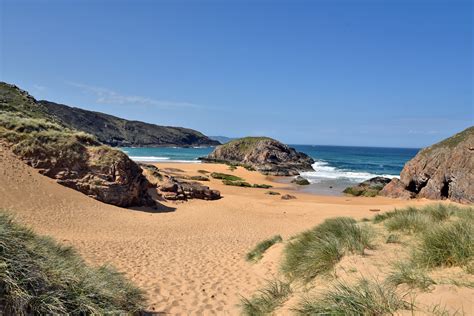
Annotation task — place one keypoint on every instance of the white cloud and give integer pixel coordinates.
(107, 96)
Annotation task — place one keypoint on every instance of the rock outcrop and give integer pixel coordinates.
(75, 159)
(263, 154)
(173, 189)
(442, 171)
(369, 187)
(299, 180)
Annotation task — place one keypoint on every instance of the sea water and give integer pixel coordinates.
(335, 167)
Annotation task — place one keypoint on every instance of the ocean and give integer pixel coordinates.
(336, 167)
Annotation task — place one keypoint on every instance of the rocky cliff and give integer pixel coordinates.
(263, 154)
(75, 159)
(116, 131)
(442, 171)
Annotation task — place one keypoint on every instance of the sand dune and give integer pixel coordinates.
(189, 259)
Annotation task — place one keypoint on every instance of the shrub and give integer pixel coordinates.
(267, 300)
(224, 176)
(411, 275)
(319, 249)
(363, 298)
(39, 276)
(257, 253)
(451, 244)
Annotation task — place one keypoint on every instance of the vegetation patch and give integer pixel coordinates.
(272, 193)
(363, 298)
(39, 276)
(237, 183)
(451, 244)
(262, 186)
(414, 220)
(411, 275)
(257, 252)
(267, 299)
(225, 176)
(317, 250)
(363, 191)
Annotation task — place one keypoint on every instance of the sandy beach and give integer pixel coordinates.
(188, 257)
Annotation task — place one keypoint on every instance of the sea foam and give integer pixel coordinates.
(322, 170)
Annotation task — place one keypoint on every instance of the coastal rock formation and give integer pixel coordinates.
(116, 131)
(263, 154)
(442, 171)
(75, 159)
(369, 187)
(299, 180)
(173, 189)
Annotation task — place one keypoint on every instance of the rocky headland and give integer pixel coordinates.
(263, 154)
(115, 131)
(442, 171)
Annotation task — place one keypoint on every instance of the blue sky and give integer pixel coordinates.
(373, 72)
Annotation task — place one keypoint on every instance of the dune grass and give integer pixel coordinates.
(451, 244)
(317, 250)
(257, 252)
(39, 277)
(392, 239)
(410, 274)
(225, 176)
(416, 220)
(363, 298)
(267, 299)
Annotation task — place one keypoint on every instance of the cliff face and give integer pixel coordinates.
(442, 171)
(116, 131)
(75, 159)
(263, 154)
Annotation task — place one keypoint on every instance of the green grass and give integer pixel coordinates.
(317, 250)
(450, 244)
(363, 298)
(39, 276)
(244, 145)
(225, 176)
(416, 220)
(393, 239)
(363, 191)
(257, 252)
(262, 186)
(267, 299)
(237, 183)
(411, 275)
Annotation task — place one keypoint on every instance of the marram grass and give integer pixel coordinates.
(40, 277)
(257, 252)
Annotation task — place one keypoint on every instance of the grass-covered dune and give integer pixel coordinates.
(40, 277)
(412, 252)
(74, 158)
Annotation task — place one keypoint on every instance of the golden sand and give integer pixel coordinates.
(188, 257)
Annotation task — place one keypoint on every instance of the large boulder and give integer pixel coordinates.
(263, 154)
(442, 171)
(176, 189)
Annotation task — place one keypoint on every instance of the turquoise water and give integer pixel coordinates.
(342, 163)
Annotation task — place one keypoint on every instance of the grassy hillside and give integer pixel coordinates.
(39, 277)
(116, 131)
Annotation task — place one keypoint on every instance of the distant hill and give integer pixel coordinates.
(115, 131)
(221, 139)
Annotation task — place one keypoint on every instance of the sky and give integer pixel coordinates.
(393, 73)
